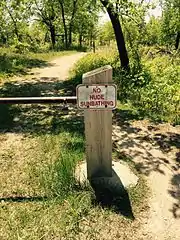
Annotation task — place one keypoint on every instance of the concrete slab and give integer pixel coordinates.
(122, 175)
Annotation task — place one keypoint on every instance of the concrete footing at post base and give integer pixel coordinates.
(122, 176)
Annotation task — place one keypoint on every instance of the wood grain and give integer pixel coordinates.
(98, 130)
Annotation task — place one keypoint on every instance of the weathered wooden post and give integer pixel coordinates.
(98, 104)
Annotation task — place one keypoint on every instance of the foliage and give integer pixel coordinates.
(106, 33)
(170, 22)
(38, 22)
(160, 99)
(152, 86)
(153, 32)
(91, 62)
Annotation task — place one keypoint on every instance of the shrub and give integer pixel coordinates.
(20, 47)
(92, 61)
(152, 85)
(137, 77)
(160, 99)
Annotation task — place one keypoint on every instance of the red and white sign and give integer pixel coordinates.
(96, 96)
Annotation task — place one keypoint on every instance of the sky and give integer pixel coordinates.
(153, 12)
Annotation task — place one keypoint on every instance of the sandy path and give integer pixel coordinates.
(58, 68)
(155, 150)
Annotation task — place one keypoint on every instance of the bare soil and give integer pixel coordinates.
(58, 68)
(155, 152)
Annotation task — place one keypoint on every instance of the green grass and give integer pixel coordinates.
(59, 157)
(40, 198)
(40, 147)
(50, 55)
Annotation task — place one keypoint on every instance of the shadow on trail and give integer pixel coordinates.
(146, 143)
(23, 199)
(175, 193)
(19, 64)
(110, 193)
(39, 119)
(44, 86)
(150, 149)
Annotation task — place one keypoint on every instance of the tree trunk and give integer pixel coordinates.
(177, 41)
(64, 24)
(118, 34)
(15, 25)
(71, 21)
(53, 35)
(80, 40)
(46, 37)
(4, 39)
(94, 46)
(70, 36)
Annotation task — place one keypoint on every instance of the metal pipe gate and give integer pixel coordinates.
(38, 100)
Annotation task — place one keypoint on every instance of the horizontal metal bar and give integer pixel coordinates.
(33, 100)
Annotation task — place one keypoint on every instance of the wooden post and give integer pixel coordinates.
(98, 130)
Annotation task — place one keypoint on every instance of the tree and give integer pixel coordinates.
(171, 22)
(75, 14)
(62, 7)
(46, 13)
(153, 31)
(106, 33)
(69, 9)
(85, 23)
(113, 12)
(15, 17)
(3, 26)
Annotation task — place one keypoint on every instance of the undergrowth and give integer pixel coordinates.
(152, 86)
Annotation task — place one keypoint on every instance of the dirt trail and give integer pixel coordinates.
(58, 68)
(40, 81)
(155, 151)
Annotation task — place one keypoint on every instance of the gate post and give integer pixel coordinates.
(98, 130)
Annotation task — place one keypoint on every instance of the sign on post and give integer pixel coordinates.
(96, 96)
